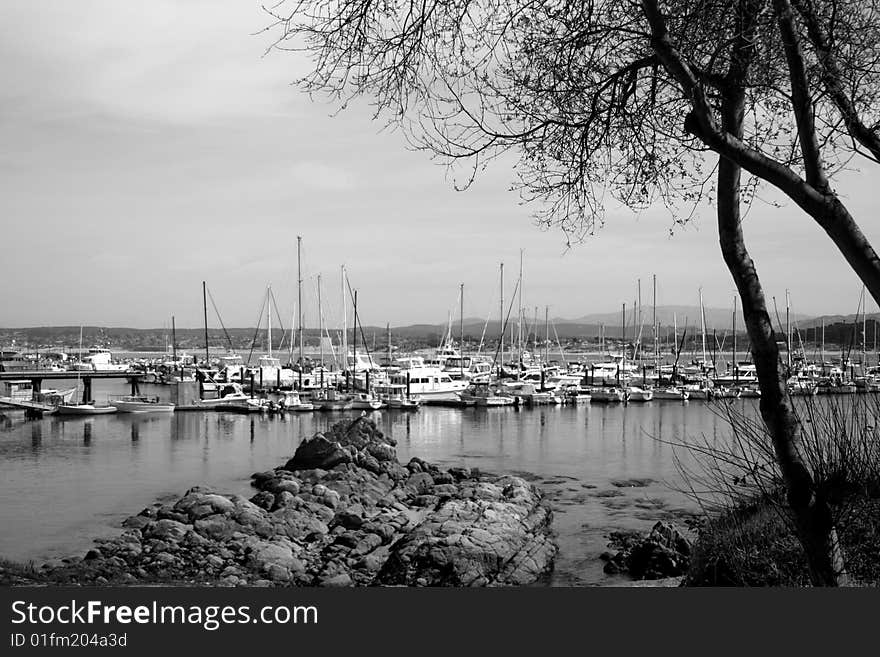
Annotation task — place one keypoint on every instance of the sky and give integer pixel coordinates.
(146, 147)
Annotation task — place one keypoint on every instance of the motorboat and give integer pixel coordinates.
(330, 399)
(608, 394)
(573, 394)
(636, 394)
(141, 404)
(430, 384)
(672, 393)
(483, 395)
(99, 359)
(230, 396)
(291, 401)
(366, 402)
(395, 397)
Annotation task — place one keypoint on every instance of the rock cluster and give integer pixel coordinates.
(342, 512)
(664, 552)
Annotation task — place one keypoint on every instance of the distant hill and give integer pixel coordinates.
(717, 318)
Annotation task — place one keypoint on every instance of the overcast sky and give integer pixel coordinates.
(147, 146)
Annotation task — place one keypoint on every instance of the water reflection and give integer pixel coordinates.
(64, 481)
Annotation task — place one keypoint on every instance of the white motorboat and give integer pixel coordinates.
(366, 402)
(636, 394)
(99, 359)
(291, 401)
(671, 393)
(141, 404)
(330, 399)
(429, 384)
(394, 396)
(607, 394)
(482, 395)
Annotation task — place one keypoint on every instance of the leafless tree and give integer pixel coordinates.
(641, 101)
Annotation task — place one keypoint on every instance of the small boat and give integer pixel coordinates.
(291, 401)
(330, 399)
(636, 394)
(366, 402)
(482, 395)
(403, 404)
(141, 404)
(576, 395)
(672, 393)
(753, 392)
(84, 409)
(723, 392)
(607, 394)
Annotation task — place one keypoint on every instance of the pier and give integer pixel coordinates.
(34, 407)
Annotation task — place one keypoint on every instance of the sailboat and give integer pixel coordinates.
(85, 408)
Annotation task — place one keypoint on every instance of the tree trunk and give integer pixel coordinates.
(812, 515)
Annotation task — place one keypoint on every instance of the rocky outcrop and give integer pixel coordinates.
(342, 512)
(665, 552)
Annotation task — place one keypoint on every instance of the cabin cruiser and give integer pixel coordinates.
(481, 394)
(673, 393)
(23, 390)
(575, 394)
(608, 394)
(291, 401)
(365, 401)
(330, 399)
(637, 394)
(430, 384)
(395, 397)
(99, 359)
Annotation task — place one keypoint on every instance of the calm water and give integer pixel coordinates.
(65, 481)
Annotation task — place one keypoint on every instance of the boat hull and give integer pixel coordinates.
(84, 409)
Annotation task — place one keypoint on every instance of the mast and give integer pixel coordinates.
(173, 342)
(501, 323)
(354, 338)
(639, 318)
(519, 336)
(787, 332)
(535, 329)
(735, 369)
(822, 356)
(269, 319)
(546, 333)
(344, 324)
(864, 328)
(622, 367)
(320, 323)
(299, 302)
(461, 332)
(655, 329)
(388, 328)
(703, 330)
(205, 309)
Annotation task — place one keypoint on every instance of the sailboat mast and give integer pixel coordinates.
(320, 323)
(519, 336)
(344, 323)
(388, 328)
(735, 369)
(622, 368)
(205, 310)
(787, 331)
(269, 320)
(822, 353)
(654, 328)
(703, 326)
(299, 302)
(864, 328)
(173, 342)
(461, 331)
(501, 323)
(546, 333)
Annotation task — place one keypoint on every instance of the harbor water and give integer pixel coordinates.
(67, 480)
